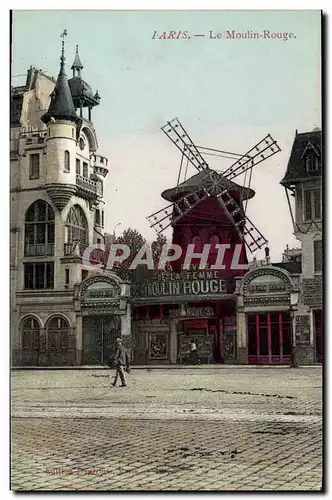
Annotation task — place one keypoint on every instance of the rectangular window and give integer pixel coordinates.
(34, 166)
(312, 204)
(102, 218)
(39, 276)
(67, 276)
(97, 217)
(85, 274)
(317, 203)
(307, 205)
(85, 169)
(28, 276)
(40, 270)
(78, 166)
(318, 256)
(98, 241)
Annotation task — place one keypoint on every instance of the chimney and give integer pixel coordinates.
(30, 78)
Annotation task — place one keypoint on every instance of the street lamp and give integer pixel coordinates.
(116, 225)
(294, 300)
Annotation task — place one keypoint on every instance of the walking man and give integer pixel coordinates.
(194, 359)
(121, 363)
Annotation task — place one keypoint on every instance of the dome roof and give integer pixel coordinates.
(79, 87)
(201, 180)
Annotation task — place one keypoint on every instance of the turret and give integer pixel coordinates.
(63, 127)
(82, 93)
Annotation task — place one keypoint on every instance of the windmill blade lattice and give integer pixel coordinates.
(264, 149)
(171, 214)
(180, 138)
(215, 185)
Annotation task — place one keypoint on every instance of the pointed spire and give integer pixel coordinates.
(61, 105)
(77, 64)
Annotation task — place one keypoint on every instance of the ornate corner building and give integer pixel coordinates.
(57, 211)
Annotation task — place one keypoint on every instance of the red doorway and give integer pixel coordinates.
(318, 322)
(269, 338)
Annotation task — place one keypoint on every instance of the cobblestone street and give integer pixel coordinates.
(178, 429)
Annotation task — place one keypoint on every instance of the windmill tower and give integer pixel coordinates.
(210, 208)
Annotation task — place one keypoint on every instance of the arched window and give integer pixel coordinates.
(77, 227)
(30, 331)
(39, 230)
(67, 161)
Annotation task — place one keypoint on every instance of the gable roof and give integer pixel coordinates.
(296, 168)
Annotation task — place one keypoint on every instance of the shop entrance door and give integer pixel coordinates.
(99, 334)
(318, 322)
(198, 331)
(269, 338)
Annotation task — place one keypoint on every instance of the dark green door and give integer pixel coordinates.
(99, 334)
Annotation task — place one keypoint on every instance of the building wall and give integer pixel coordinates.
(311, 299)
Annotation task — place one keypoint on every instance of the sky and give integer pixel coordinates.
(228, 94)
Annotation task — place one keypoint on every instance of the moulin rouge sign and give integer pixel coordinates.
(195, 283)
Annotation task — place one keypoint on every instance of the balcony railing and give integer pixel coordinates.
(89, 185)
(39, 250)
(86, 183)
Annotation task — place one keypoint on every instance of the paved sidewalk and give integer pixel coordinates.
(169, 430)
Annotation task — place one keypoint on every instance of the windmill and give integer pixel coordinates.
(215, 185)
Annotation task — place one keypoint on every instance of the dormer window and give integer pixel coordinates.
(311, 157)
(311, 163)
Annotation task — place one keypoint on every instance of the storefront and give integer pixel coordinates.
(103, 314)
(176, 309)
(269, 338)
(264, 312)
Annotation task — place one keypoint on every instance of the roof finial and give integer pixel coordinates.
(62, 58)
(77, 64)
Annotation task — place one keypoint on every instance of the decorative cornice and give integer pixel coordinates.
(76, 259)
(60, 194)
(266, 271)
